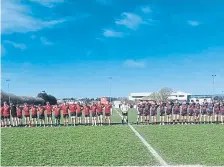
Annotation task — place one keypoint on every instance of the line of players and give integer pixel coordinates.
(184, 113)
(93, 114)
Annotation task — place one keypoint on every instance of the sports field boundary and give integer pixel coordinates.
(148, 146)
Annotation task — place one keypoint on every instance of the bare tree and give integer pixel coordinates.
(162, 95)
(155, 96)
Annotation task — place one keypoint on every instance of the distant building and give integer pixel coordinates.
(138, 96)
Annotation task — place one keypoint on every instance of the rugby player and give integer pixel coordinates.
(93, 113)
(124, 111)
(161, 109)
(65, 108)
(13, 114)
(139, 112)
(197, 112)
(41, 115)
(57, 114)
(153, 113)
(210, 112)
(19, 112)
(191, 113)
(222, 112)
(147, 111)
(2, 116)
(6, 114)
(72, 109)
(204, 112)
(100, 113)
(79, 109)
(184, 111)
(108, 110)
(216, 112)
(26, 110)
(176, 112)
(168, 111)
(34, 115)
(49, 109)
(86, 113)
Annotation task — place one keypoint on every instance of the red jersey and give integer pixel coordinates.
(78, 108)
(57, 111)
(93, 108)
(65, 109)
(2, 111)
(72, 108)
(26, 111)
(99, 108)
(107, 108)
(41, 110)
(86, 110)
(6, 111)
(49, 109)
(19, 111)
(34, 110)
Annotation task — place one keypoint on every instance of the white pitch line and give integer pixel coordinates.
(149, 147)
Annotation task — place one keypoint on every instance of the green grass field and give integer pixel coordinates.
(112, 145)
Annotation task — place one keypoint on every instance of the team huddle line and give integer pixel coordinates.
(13, 114)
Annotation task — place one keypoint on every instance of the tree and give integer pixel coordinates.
(162, 95)
(47, 98)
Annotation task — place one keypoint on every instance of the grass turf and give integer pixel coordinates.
(105, 145)
(183, 144)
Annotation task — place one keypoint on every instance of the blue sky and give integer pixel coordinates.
(69, 48)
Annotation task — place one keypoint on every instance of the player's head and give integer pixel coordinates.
(47, 103)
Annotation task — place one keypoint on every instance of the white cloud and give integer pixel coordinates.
(146, 9)
(17, 17)
(45, 41)
(193, 23)
(130, 20)
(16, 45)
(112, 33)
(48, 3)
(3, 50)
(135, 63)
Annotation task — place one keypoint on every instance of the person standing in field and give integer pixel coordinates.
(93, 113)
(65, 108)
(34, 115)
(183, 109)
(124, 111)
(86, 113)
(13, 114)
(108, 110)
(197, 112)
(6, 114)
(79, 113)
(41, 115)
(153, 113)
(57, 114)
(139, 113)
(176, 113)
(26, 110)
(210, 113)
(19, 112)
(49, 110)
(2, 116)
(191, 113)
(216, 112)
(204, 112)
(72, 109)
(168, 111)
(99, 113)
(161, 108)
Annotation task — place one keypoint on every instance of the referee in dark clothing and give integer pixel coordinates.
(13, 114)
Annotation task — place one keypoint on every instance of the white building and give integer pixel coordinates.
(180, 96)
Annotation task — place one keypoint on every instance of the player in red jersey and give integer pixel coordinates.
(2, 116)
(176, 112)
(99, 109)
(19, 112)
(93, 113)
(79, 109)
(57, 114)
(6, 114)
(108, 109)
(191, 112)
(26, 110)
(41, 114)
(184, 110)
(222, 112)
(65, 108)
(72, 109)
(197, 112)
(204, 112)
(168, 112)
(216, 112)
(34, 115)
(49, 109)
(86, 113)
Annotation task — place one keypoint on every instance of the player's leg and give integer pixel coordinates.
(222, 118)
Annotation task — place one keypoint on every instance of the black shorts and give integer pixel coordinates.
(140, 113)
(162, 113)
(57, 116)
(146, 113)
(14, 115)
(34, 116)
(184, 113)
(20, 116)
(65, 115)
(210, 113)
(79, 114)
(204, 113)
(2, 117)
(6, 117)
(153, 113)
(86, 115)
(99, 113)
(107, 114)
(73, 114)
(41, 116)
(191, 114)
(49, 115)
(168, 113)
(27, 116)
(93, 114)
(124, 113)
